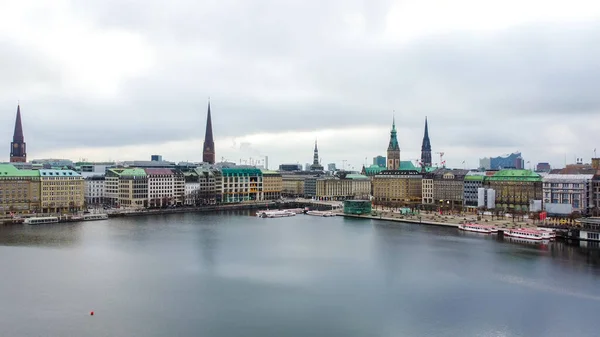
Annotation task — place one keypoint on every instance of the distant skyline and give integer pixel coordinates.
(108, 80)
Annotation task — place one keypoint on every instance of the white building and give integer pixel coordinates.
(200, 187)
(94, 192)
(166, 187)
(560, 190)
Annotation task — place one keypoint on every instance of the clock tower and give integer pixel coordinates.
(18, 150)
(208, 154)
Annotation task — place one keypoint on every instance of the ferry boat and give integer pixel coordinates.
(41, 220)
(550, 231)
(97, 216)
(475, 227)
(321, 213)
(275, 214)
(531, 234)
(541, 243)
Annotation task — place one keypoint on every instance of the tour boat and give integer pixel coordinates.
(97, 216)
(531, 234)
(275, 214)
(550, 231)
(542, 242)
(41, 220)
(321, 213)
(474, 227)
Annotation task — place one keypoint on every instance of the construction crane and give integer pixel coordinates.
(442, 162)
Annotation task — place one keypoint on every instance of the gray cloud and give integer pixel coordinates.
(279, 66)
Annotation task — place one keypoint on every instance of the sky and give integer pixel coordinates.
(122, 80)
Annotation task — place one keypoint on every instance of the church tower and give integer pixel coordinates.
(426, 148)
(316, 166)
(393, 151)
(208, 155)
(18, 150)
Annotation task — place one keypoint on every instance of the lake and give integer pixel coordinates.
(232, 274)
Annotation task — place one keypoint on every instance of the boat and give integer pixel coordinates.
(295, 210)
(320, 213)
(41, 220)
(475, 227)
(542, 242)
(275, 214)
(96, 216)
(551, 231)
(531, 234)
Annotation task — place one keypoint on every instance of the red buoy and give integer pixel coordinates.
(91, 313)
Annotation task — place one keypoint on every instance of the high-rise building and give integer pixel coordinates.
(331, 167)
(393, 151)
(543, 167)
(513, 160)
(316, 166)
(156, 157)
(208, 154)
(18, 150)
(426, 148)
(379, 161)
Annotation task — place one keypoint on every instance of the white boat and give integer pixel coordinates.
(275, 214)
(551, 231)
(97, 216)
(295, 210)
(528, 241)
(40, 220)
(530, 234)
(320, 213)
(475, 227)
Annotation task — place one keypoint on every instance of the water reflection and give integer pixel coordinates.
(47, 235)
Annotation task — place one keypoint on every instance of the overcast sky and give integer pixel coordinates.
(122, 80)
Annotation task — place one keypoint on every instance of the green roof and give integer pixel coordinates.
(408, 165)
(473, 177)
(515, 175)
(241, 171)
(133, 172)
(9, 170)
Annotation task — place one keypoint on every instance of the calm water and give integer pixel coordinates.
(235, 275)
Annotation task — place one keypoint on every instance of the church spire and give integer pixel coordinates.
(393, 151)
(208, 155)
(18, 152)
(426, 148)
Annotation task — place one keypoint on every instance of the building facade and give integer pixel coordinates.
(166, 187)
(515, 189)
(510, 161)
(379, 161)
(242, 184)
(575, 190)
(94, 190)
(293, 185)
(19, 190)
(444, 188)
(473, 182)
(133, 188)
(62, 191)
(393, 151)
(200, 187)
(290, 167)
(272, 185)
(398, 187)
(350, 186)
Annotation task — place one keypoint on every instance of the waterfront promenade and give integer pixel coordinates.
(436, 219)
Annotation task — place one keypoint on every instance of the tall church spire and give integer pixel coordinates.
(426, 148)
(316, 166)
(208, 155)
(393, 151)
(18, 151)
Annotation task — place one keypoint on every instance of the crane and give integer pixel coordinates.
(442, 162)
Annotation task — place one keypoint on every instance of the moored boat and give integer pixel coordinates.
(478, 228)
(321, 213)
(531, 234)
(96, 216)
(41, 220)
(551, 231)
(275, 214)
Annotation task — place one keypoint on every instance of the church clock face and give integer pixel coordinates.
(16, 146)
(207, 148)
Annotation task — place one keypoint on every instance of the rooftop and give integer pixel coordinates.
(58, 173)
(470, 177)
(241, 170)
(158, 171)
(356, 176)
(133, 172)
(8, 170)
(515, 175)
(568, 177)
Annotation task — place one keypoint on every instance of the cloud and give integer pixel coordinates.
(104, 76)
